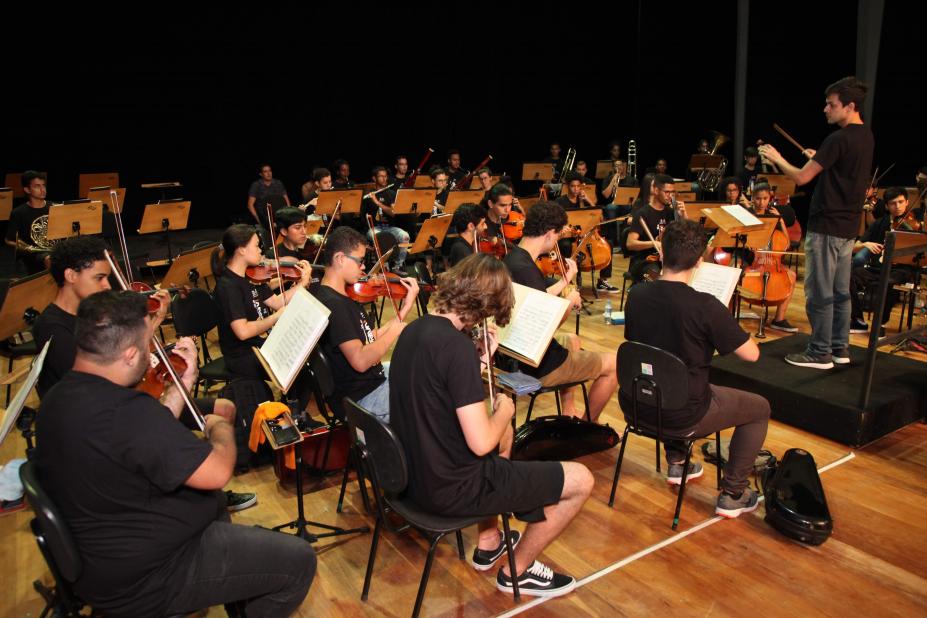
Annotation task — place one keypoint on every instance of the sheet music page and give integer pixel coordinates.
(719, 281)
(19, 400)
(535, 318)
(744, 216)
(294, 336)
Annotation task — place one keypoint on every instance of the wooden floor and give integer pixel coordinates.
(873, 565)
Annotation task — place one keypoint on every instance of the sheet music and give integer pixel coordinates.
(719, 281)
(294, 336)
(19, 400)
(742, 215)
(535, 318)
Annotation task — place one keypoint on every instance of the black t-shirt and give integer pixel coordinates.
(58, 323)
(657, 220)
(564, 200)
(347, 321)
(21, 219)
(837, 202)
(115, 461)
(436, 370)
(457, 175)
(524, 271)
(369, 207)
(460, 249)
(284, 252)
(876, 233)
(676, 318)
(238, 299)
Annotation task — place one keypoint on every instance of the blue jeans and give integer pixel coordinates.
(400, 235)
(828, 261)
(861, 257)
(377, 401)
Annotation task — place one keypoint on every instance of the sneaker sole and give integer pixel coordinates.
(537, 592)
(689, 477)
(735, 513)
(480, 567)
(827, 365)
(856, 331)
(783, 329)
(841, 361)
(241, 507)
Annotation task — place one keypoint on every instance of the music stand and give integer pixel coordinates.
(86, 182)
(537, 171)
(625, 195)
(166, 217)
(603, 167)
(14, 180)
(527, 202)
(585, 219)
(686, 196)
(422, 181)
(313, 226)
(25, 299)
(699, 162)
(779, 183)
(365, 186)
(18, 403)
(6, 203)
(350, 201)
(415, 201)
(431, 235)
(189, 267)
(163, 186)
(456, 198)
(74, 218)
(102, 194)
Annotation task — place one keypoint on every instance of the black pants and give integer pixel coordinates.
(248, 366)
(270, 571)
(863, 283)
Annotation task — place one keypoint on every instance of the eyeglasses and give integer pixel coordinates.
(357, 260)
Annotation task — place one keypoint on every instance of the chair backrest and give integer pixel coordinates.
(195, 313)
(323, 384)
(55, 540)
(652, 376)
(388, 459)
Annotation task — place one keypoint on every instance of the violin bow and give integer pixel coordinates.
(650, 236)
(327, 230)
(489, 376)
(380, 262)
(273, 244)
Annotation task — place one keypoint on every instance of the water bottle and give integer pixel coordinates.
(608, 311)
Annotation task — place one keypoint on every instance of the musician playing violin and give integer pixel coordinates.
(354, 348)
(470, 222)
(657, 215)
(576, 198)
(864, 278)
(564, 362)
(762, 207)
(380, 207)
(137, 489)
(294, 243)
(501, 198)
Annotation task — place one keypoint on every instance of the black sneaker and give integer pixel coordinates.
(239, 502)
(538, 580)
(674, 472)
(807, 360)
(783, 325)
(840, 356)
(857, 327)
(731, 507)
(11, 506)
(605, 286)
(484, 559)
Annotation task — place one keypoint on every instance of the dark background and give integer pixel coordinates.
(204, 97)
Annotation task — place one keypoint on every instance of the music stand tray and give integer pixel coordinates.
(603, 168)
(585, 219)
(415, 201)
(86, 182)
(190, 267)
(170, 215)
(456, 198)
(903, 240)
(700, 162)
(25, 299)
(625, 195)
(101, 194)
(6, 203)
(350, 201)
(728, 222)
(422, 181)
(433, 228)
(74, 218)
(537, 171)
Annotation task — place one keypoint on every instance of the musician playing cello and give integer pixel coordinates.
(576, 198)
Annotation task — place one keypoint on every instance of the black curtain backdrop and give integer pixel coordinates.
(205, 96)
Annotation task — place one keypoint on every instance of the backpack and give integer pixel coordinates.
(247, 394)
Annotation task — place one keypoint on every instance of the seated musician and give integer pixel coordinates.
(730, 191)
(485, 176)
(501, 199)
(617, 177)
(354, 348)
(400, 171)
(614, 150)
(458, 454)
(322, 181)
(19, 227)
(247, 310)
(470, 222)
(762, 207)
(751, 173)
(262, 190)
(79, 268)
(137, 489)
(863, 279)
(656, 215)
(291, 230)
(342, 178)
(672, 316)
(380, 207)
(582, 170)
(554, 159)
(574, 199)
(439, 180)
(565, 361)
(453, 169)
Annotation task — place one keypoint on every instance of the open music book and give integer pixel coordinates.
(292, 339)
(535, 318)
(717, 280)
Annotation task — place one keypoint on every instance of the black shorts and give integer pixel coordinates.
(520, 487)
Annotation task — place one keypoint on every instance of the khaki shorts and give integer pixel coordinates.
(579, 366)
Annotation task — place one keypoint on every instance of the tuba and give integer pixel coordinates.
(38, 232)
(709, 179)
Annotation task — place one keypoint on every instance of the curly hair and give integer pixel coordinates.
(683, 243)
(476, 288)
(543, 217)
(76, 253)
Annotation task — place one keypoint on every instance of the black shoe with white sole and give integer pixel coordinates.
(538, 580)
(484, 559)
(840, 356)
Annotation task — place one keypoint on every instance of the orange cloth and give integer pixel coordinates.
(267, 410)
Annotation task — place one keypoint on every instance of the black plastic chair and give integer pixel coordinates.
(57, 547)
(556, 391)
(195, 315)
(658, 379)
(383, 458)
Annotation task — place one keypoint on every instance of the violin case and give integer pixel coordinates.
(559, 438)
(795, 501)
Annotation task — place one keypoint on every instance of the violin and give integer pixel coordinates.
(369, 289)
(153, 303)
(513, 228)
(157, 377)
(266, 272)
(549, 265)
(493, 246)
(908, 223)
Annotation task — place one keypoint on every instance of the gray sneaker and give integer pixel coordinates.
(674, 473)
(731, 507)
(807, 360)
(238, 502)
(840, 356)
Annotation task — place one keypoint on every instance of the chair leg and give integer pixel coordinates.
(344, 485)
(682, 485)
(718, 461)
(624, 443)
(530, 406)
(557, 400)
(373, 555)
(460, 546)
(511, 553)
(658, 456)
(586, 401)
(9, 387)
(425, 574)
